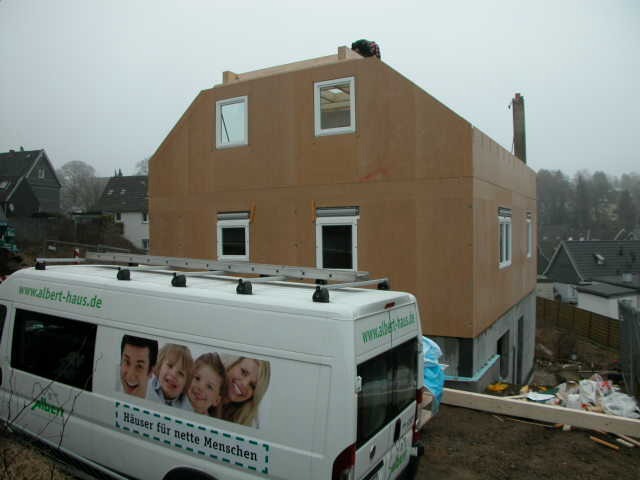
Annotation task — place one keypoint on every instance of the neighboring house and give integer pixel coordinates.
(28, 184)
(126, 199)
(341, 162)
(596, 274)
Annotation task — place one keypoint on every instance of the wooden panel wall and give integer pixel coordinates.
(501, 180)
(409, 167)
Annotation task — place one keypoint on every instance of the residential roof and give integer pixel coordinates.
(606, 290)
(618, 280)
(17, 163)
(7, 184)
(124, 194)
(589, 259)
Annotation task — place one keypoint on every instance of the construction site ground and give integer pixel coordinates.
(459, 444)
(466, 444)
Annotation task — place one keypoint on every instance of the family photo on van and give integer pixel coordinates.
(221, 386)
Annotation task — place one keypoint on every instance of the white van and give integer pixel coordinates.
(144, 373)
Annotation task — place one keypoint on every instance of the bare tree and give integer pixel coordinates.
(81, 189)
(142, 167)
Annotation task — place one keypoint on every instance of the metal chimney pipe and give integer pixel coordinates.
(519, 137)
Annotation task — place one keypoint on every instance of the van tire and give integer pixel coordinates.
(184, 473)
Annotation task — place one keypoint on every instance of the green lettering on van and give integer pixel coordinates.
(43, 405)
(389, 327)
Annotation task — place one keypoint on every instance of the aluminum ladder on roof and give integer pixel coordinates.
(269, 273)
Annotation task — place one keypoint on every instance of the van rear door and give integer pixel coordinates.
(389, 373)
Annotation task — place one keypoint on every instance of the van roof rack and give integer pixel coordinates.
(220, 270)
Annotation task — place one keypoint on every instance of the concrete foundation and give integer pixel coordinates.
(505, 351)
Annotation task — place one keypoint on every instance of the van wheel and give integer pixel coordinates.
(184, 473)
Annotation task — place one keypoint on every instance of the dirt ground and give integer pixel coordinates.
(465, 444)
(459, 444)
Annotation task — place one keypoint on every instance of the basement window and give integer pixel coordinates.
(504, 222)
(335, 106)
(337, 237)
(233, 236)
(529, 236)
(232, 122)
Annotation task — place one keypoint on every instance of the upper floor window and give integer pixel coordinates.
(529, 236)
(232, 122)
(145, 243)
(335, 106)
(337, 237)
(504, 222)
(233, 236)
(41, 173)
(145, 217)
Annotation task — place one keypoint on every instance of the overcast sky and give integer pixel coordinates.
(105, 81)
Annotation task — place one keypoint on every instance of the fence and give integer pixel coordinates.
(630, 347)
(602, 330)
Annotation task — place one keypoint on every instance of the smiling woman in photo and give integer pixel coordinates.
(247, 382)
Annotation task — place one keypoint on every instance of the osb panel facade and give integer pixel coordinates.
(409, 167)
(500, 180)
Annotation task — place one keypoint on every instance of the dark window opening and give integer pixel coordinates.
(55, 348)
(233, 241)
(389, 383)
(503, 351)
(337, 246)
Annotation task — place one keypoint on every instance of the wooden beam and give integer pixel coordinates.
(545, 413)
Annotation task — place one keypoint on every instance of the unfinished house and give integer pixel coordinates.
(341, 162)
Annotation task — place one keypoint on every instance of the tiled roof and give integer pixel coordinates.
(16, 163)
(124, 194)
(7, 184)
(599, 258)
(606, 290)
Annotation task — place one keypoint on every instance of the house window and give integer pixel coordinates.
(232, 122)
(41, 173)
(118, 217)
(59, 349)
(337, 237)
(529, 236)
(145, 217)
(503, 350)
(504, 222)
(145, 243)
(335, 106)
(233, 236)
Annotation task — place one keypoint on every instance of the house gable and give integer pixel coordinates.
(561, 267)
(34, 168)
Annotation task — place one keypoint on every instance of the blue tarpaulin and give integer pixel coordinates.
(433, 371)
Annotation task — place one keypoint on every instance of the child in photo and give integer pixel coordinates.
(207, 385)
(172, 376)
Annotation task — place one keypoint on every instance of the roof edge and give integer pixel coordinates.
(344, 53)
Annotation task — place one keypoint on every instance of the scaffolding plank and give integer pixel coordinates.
(545, 413)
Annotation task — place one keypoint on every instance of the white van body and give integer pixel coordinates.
(344, 375)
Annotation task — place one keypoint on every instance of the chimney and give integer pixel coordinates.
(519, 138)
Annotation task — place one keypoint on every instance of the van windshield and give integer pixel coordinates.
(389, 383)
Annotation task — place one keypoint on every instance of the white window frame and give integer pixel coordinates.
(529, 236)
(352, 107)
(218, 126)
(351, 221)
(505, 238)
(222, 224)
